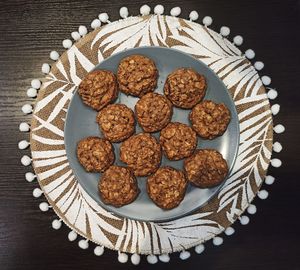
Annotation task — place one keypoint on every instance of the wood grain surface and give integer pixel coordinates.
(30, 29)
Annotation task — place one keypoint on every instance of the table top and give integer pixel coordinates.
(31, 29)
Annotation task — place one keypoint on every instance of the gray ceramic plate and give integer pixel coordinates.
(80, 123)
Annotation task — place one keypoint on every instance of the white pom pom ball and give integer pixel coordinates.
(279, 128)
(225, 31)
(56, 224)
(266, 80)
(72, 236)
(164, 258)
(194, 16)
(217, 241)
(25, 160)
(159, 9)
(250, 54)
(67, 43)
(175, 11)
(275, 109)
(272, 94)
(184, 255)
(46, 68)
(277, 147)
(54, 55)
(251, 209)
(98, 250)
(29, 176)
(122, 257)
(135, 259)
(75, 35)
(229, 231)
(37, 192)
(145, 10)
(103, 17)
(24, 127)
(244, 220)
(152, 259)
(44, 207)
(199, 249)
(83, 244)
(263, 194)
(27, 108)
(275, 162)
(238, 40)
(269, 180)
(207, 20)
(124, 12)
(259, 65)
(35, 83)
(96, 23)
(23, 144)
(82, 30)
(32, 92)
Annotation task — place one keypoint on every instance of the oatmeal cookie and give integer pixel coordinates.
(137, 75)
(185, 87)
(167, 187)
(210, 119)
(153, 111)
(98, 89)
(116, 122)
(118, 186)
(142, 154)
(95, 154)
(206, 168)
(178, 140)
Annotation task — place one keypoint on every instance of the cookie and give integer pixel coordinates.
(118, 186)
(206, 168)
(142, 154)
(95, 154)
(166, 187)
(210, 119)
(178, 141)
(137, 75)
(185, 87)
(153, 111)
(98, 89)
(116, 122)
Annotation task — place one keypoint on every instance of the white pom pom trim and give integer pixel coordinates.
(159, 9)
(244, 220)
(98, 250)
(277, 147)
(83, 244)
(259, 65)
(269, 180)
(72, 236)
(27, 109)
(75, 35)
(56, 224)
(26, 160)
(31, 92)
(24, 127)
(96, 23)
(36, 84)
(135, 259)
(194, 16)
(217, 240)
(272, 94)
(152, 259)
(46, 68)
(145, 10)
(207, 20)
(82, 30)
(103, 17)
(164, 258)
(225, 31)
(275, 109)
(238, 40)
(276, 163)
(124, 13)
(199, 249)
(23, 144)
(37, 192)
(279, 129)
(251, 209)
(263, 194)
(175, 11)
(54, 55)
(29, 176)
(229, 231)
(67, 43)
(184, 255)
(44, 207)
(250, 54)
(122, 257)
(266, 80)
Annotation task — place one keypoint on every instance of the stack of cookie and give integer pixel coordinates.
(142, 153)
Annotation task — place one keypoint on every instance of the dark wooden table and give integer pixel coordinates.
(30, 29)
